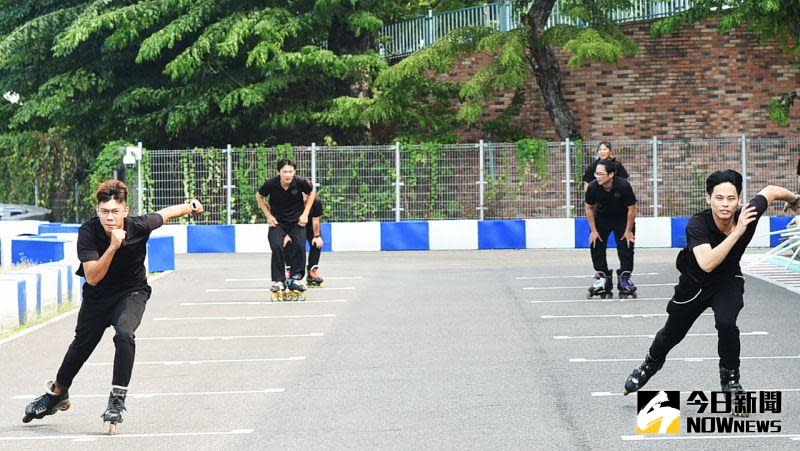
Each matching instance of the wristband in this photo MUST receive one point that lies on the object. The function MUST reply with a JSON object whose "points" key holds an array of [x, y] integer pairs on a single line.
{"points": [[193, 204], [317, 236]]}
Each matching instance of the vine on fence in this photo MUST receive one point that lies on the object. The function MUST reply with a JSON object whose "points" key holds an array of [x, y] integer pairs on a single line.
{"points": [[533, 153]]}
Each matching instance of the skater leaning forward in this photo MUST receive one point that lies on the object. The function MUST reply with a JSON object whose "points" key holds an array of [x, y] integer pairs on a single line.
{"points": [[112, 249], [611, 206], [710, 275], [287, 214]]}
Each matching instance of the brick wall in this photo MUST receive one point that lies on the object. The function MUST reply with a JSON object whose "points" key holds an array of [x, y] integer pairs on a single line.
{"points": [[691, 84]]}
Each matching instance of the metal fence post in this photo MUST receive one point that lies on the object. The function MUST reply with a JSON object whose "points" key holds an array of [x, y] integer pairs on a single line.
{"points": [[481, 182], [314, 165], [655, 177], [744, 168], [229, 184], [139, 188], [397, 181], [429, 28], [36, 190], [567, 179]]}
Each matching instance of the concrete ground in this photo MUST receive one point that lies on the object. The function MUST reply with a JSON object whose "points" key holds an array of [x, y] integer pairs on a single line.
{"points": [[411, 350]]}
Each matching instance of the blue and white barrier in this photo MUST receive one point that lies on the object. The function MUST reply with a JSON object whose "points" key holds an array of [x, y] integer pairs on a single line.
{"points": [[556, 233]]}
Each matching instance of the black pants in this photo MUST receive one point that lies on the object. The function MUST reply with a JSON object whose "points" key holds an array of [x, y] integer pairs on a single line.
{"points": [[296, 259], [605, 224], [314, 252], [688, 302], [124, 312]]}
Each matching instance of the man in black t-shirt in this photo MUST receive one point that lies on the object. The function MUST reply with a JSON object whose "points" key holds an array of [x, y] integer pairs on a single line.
{"points": [[287, 214], [112, 249], [710, 275], [611, 206]]}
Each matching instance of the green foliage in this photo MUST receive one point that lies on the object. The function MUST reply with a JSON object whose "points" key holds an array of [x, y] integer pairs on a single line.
{"points": [[533, 154]]}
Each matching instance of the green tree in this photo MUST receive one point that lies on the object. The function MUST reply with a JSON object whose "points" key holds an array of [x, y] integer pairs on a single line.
{"points": [[772, 20], [406, 94]]}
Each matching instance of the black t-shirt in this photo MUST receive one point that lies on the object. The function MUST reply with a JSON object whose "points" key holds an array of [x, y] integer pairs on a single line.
{"points": [[614, 202], [588, 175], [701, 229], [316, 208], [286, 204], [126, 270]]}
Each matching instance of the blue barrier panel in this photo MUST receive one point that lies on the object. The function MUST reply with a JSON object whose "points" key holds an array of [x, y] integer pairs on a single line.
{"points": [[404, 236], [210, 238], [679, 231], [501, 234], [777, 223], [58, 228], [582, 231], [22, 302], [36, 250], [160, 253], [327, 237]]}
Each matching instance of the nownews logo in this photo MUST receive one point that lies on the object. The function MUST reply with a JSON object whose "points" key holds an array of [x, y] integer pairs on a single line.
{"points": [[659, 412]]}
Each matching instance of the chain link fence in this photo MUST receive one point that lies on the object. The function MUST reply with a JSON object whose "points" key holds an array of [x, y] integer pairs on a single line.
{"points": [[460, 181]]}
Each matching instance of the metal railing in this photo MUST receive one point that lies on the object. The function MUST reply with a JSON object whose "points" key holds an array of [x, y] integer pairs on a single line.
{"points": [[463, 181], [401, 39]]}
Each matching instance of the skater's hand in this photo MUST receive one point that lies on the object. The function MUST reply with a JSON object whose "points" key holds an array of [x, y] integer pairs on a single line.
{"points": [[286, 240], [272, 221], [197, 207], [747, 216], [629, 237], [794, 207], [117, 237], [317, 242], [302, 221], [594, 236]]}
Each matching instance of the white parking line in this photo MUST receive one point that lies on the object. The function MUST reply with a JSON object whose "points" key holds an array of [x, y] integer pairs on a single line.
{"points": [[153, 395], [583, 337], [686, 359], [566, 301], [230, 337], [201, 362], [623, 315], [238, 318], [331, 301], [585, 287], [603, 394], [584, 276], [228, 290], [267, 280], [643, 438], [93, 437]]}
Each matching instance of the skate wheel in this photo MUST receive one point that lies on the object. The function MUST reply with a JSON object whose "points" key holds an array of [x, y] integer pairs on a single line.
{"points": [[302, 297], [65, 406], [609, 295], [634, 295], [112, 428], [27, 419], [588, 295], [625, 392]]}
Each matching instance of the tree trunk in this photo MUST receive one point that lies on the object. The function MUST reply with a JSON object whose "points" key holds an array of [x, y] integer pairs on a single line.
{"points": [[546, 69]]}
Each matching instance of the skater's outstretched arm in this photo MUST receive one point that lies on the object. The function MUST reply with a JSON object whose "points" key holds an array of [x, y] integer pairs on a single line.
{"points": [[773, 193], [317, 227], [176, 211]]}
